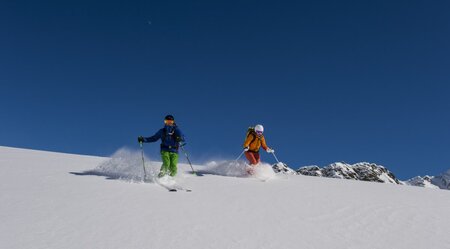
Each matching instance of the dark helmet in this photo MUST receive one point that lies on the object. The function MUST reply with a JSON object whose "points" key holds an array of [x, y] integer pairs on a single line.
{"points": [[169, 117]]}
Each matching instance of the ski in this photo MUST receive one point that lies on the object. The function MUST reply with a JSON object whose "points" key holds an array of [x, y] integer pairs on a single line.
{"points": [[173, 187], [178, 187], [170, 189]]}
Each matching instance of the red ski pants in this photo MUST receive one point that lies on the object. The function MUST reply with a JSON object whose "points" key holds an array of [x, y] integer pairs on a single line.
{"points": [[252, 157]]}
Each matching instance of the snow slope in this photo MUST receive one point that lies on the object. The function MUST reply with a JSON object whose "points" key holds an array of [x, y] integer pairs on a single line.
{"points": [[53, 200]]}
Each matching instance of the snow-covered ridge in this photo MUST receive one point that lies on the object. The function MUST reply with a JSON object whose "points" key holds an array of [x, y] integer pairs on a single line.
{"points": [[419, 181], [360, 171], [442, 181], [364, 171]]}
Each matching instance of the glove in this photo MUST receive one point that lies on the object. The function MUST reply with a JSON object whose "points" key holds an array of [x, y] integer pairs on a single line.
{"points": [[140, 139], [269, 150], [246, 149]]}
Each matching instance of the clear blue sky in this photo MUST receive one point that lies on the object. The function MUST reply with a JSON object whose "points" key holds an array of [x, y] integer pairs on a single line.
{"points": [[330, 80]]}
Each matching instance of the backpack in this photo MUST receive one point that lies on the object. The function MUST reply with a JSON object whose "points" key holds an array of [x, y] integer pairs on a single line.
{"points": [[251, 131]]}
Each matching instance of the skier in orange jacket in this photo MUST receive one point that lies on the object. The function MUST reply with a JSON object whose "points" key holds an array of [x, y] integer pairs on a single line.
{"points": [[253, 142]]}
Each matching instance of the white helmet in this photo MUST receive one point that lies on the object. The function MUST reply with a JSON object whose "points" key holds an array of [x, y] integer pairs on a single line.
{"points": [[259, 128]]}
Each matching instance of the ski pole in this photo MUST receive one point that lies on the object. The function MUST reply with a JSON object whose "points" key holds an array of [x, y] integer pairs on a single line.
{"points": [[143, 162], [187, 157], [242, 153], [273, 153], [281, 167]]}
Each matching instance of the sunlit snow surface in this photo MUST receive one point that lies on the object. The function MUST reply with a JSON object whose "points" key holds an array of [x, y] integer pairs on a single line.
{"points": [[52, 201]]}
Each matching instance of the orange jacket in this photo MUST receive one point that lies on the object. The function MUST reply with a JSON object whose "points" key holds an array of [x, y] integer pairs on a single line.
{"points": [[254, 142]]}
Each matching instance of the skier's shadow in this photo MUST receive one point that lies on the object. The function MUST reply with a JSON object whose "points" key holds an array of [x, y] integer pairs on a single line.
{"points": [[202, 173], [107, 176], [112, 176], [216, 173]]}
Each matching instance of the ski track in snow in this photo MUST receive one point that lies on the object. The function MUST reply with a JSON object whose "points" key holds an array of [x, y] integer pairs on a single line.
{"points": [[53, 200]]}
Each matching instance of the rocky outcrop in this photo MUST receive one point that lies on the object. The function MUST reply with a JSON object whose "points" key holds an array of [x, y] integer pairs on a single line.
{"points": [[442, 181], [422, 181], [283, 168], [360, 171]]}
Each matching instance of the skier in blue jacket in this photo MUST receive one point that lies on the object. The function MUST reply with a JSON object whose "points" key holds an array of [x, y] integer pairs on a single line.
{"points": [[171, 138]]}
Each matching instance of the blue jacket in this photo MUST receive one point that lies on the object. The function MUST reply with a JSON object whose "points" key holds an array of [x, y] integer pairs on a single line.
{"points": [[171, 137]]}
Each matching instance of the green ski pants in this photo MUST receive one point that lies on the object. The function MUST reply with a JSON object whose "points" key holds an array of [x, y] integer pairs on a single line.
{"points": [[170, 161]]}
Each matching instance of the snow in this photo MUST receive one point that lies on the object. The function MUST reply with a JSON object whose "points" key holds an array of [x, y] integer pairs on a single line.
{"points": [[385, 178], [54, 200], [442, 181], [421, 182]]}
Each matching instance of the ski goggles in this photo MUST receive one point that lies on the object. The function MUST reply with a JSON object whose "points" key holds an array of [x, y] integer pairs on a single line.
{"points": [[169, 122], [259, 132]]}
